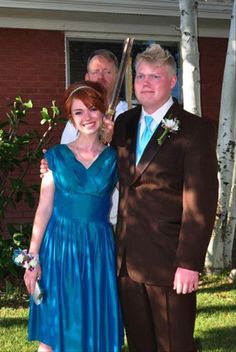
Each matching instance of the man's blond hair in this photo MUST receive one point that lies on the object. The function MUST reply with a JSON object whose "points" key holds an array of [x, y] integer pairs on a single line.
{"points": [[156, 55]]}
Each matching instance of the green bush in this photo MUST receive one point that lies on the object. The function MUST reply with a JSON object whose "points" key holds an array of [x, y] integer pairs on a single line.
{"points": [[19, 152]]}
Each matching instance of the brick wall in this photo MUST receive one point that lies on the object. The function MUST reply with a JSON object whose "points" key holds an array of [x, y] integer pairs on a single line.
{"points": [[32, 65]]}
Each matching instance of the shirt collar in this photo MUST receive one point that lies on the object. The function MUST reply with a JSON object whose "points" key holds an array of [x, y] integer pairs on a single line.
{"points": [[156, 115], [159, 113]]}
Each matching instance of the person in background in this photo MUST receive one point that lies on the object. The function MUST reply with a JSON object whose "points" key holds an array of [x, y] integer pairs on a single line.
{"points": [[72, 239], [102, 67], [168, 194]]}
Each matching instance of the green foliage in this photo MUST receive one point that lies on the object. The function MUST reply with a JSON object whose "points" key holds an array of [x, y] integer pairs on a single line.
{"points": [[14, 331], [20, 148], [19, 236]]}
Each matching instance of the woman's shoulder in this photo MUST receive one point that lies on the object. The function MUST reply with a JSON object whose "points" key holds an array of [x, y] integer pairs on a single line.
{"points": [[55, 150], [111, 150], [55, 154]]}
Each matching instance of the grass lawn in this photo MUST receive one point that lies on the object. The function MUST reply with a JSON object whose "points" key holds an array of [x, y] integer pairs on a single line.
{"points": [[13, 322], [215, 325], [216, 317]]}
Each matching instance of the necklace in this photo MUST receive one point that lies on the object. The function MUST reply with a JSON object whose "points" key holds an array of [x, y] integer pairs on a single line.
{"points": [[87, 158]]}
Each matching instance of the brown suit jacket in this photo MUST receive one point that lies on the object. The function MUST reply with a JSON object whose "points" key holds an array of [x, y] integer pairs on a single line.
{"points": [[168, 201]]}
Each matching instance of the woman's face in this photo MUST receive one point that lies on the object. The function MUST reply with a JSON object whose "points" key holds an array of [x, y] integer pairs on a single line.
{"points": [[86, 120]]}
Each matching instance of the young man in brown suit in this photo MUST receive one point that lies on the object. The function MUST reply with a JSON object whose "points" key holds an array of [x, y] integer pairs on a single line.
{"points": [[168, 196]]}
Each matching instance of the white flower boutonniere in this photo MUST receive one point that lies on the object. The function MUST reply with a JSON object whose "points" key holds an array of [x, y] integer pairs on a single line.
{"points": [[170, 125]]}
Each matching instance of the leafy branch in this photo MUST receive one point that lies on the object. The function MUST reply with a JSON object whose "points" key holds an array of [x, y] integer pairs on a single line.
{"points": [[19, 151]]}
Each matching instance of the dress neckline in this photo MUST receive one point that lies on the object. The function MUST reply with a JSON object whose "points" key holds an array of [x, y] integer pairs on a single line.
{"points": [[80, 162]]}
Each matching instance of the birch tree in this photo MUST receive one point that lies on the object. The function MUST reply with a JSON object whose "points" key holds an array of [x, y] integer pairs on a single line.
{"points": [[219, 253], [190, 56]]}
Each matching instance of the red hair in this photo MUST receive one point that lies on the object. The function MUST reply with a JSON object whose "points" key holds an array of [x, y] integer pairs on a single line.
{"points": [[90, 93]]}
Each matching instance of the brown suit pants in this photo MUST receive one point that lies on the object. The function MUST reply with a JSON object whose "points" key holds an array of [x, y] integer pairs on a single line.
{"points": [[156, 318]]}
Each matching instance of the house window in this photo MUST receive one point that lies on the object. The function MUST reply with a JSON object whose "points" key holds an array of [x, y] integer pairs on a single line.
{"points": [[79, 50]]}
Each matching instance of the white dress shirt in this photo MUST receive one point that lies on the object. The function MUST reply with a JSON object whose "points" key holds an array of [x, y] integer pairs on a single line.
{"points": [[157, 116]]}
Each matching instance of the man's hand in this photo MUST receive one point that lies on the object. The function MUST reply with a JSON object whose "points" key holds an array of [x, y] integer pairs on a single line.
{"points": [[185, 281], [43, 166], [107, 131]]}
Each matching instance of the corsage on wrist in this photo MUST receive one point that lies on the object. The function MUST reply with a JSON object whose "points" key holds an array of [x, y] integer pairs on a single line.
{"points": [[25, 260]]}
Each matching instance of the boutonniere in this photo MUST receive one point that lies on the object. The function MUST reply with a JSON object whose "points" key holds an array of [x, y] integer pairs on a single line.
{"points": [[170, 125]]}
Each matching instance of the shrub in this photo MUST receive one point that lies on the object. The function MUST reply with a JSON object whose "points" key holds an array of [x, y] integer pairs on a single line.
{"points": [[20, 149]]}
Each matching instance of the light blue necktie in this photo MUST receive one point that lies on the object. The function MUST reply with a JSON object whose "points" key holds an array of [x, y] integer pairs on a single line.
{"points": [[146, 135]]}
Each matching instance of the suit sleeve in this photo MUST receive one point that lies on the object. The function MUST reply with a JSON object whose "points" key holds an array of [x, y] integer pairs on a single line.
{"points": [[117, 128], [200, 193]]}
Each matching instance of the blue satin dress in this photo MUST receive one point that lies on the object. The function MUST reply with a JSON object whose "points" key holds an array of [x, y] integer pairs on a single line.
{"points": [[80, 311]]}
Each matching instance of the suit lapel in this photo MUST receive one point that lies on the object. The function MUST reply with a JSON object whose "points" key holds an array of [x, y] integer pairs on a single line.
{"points": [[153, 146], [149, 152], [132, 130]]}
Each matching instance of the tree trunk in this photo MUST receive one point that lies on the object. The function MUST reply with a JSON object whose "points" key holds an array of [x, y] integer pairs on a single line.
{"points": [[190, 56], [219, 255]]}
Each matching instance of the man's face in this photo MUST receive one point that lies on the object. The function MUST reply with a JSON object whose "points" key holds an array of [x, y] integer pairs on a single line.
{"points": [[103, 71], [153, 85]]}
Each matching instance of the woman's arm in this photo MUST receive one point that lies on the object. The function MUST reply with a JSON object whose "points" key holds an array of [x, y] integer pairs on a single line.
{"points": [[41, 219]]}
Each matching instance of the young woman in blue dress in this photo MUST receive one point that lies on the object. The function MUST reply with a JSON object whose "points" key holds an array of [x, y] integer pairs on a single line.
{"points": [[72, 239]]}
